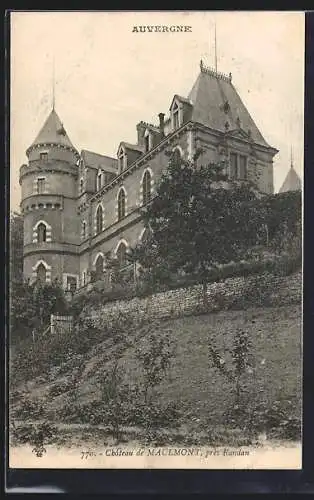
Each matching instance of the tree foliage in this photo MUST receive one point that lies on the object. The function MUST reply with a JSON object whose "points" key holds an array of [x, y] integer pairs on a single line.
{"points": [[31, 306], [198, 220], [16, 247]]}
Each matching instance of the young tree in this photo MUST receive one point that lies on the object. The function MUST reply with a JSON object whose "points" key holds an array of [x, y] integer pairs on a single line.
{"points": [[237, 370], [198, 219], [154, 357]]}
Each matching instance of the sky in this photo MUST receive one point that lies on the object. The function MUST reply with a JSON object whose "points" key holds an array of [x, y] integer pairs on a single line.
{"points": [[108, 78]]}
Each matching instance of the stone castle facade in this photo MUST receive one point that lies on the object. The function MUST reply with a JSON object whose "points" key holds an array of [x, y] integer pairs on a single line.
{"points": [[81, 208]]}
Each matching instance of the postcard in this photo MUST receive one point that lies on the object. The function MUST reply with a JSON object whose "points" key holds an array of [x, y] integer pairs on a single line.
{"points": [[156, 170]]}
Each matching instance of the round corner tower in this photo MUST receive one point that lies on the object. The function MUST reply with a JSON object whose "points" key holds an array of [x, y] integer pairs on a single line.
{"points": [[48, 204]]}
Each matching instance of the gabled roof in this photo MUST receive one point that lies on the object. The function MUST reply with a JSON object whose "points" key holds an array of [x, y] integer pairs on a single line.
{"points": [[53, 132], [215, 101], [133, 147], [181, 99], [95, 160], [292, 182]]}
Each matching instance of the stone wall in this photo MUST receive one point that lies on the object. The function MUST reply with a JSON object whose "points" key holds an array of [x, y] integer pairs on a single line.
{"points": [[187, 301]]}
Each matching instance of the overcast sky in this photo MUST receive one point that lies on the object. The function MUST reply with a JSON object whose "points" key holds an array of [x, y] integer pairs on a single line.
{"points": [[109, 78]]}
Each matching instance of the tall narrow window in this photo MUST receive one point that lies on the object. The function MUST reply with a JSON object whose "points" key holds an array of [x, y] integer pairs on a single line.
{"points": [[81, 185], [99, 267], [99, 219], [43, 157], [121, 204], [147, 183], [40, 185], [71, 283], [233, 165], [41, 274], [146, 138], [175, 116], [121, 160], [121, 254], [83, 278], [83, 230], [243, 167], [41, 233], [99, 181]]}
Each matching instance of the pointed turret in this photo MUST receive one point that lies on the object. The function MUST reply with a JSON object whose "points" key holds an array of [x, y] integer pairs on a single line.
{"points": [[53, 132], [292, 181]]}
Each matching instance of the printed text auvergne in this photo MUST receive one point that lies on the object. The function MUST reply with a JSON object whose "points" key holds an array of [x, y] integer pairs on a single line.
{"points": [[162, 29]]}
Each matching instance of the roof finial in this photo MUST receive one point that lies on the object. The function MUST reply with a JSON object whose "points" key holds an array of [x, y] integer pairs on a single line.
{"points": [[215, 49], [53, 84], [201, 64], [291, 157]]}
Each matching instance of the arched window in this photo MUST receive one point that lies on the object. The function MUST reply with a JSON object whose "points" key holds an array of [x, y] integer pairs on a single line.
{"points": [[99, 266], [121, 204], [81, 185], [177, 154], [99, 219], [121, 254], [147, 187], [146, 235], [41, 233], [41, 274]]}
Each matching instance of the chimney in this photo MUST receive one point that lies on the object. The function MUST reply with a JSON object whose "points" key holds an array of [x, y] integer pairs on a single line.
{"points": [[162, 123], [140, 127]]}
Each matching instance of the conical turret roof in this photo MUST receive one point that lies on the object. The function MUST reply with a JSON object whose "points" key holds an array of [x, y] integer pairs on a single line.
{"points": [[53, 132], [292, 182]]}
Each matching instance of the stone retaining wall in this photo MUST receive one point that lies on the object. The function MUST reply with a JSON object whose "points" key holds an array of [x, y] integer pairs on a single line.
{"points": [[187, 301]]}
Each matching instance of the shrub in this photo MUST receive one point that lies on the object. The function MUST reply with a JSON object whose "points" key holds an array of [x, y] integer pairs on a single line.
{"points": [[36, 435], [278, 419]]}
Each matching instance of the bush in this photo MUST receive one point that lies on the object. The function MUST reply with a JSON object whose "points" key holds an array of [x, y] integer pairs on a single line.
{"points": [[36, 435], [278, 419]]}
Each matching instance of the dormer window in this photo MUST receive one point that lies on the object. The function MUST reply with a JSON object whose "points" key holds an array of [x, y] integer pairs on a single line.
{"points": [[175, 114]]}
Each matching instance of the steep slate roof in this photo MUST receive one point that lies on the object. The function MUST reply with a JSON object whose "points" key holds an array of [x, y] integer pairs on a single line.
{"points": [[209, 94], [133, 147], [292, 182], [95, 160], [53, 132]]}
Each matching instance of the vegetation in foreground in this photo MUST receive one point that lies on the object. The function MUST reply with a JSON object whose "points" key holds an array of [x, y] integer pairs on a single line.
{"points": [[159, 383]]}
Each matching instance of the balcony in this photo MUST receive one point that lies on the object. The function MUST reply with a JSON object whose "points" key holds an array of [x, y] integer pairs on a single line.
{"points": [[49, 247]]}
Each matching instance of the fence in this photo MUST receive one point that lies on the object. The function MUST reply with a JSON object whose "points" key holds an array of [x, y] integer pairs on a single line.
{"points": [[60, 324]]}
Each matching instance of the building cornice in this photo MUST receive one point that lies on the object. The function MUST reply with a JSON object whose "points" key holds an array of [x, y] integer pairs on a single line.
{"points": [[52, 144]]}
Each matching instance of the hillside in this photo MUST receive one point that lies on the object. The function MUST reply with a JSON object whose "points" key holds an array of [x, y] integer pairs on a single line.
{"points": [[69, 391]]}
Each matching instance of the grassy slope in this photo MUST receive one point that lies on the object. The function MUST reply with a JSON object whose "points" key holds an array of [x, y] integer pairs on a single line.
{"points": [[276, 337]]}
